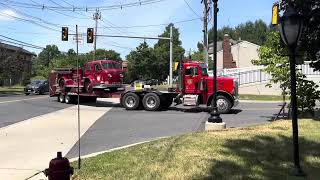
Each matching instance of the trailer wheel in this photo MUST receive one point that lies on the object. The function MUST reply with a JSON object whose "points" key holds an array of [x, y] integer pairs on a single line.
{"points": [[130, 101], [151, 102], [223, 103], [69, 99], [62, 98]]}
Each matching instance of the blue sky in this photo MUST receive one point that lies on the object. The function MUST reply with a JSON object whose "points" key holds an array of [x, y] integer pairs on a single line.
{"points": [[232, 13]]}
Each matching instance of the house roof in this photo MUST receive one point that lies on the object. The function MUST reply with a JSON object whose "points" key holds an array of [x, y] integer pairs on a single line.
{"points": [[16, 48]]}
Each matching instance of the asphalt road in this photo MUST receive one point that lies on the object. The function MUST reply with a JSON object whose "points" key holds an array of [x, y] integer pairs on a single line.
{"points": [[16, 108], [119, 127]]}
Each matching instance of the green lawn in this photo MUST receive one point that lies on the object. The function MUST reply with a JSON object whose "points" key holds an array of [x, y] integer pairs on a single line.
{"points": [[261, 97], [260, 152], [11, 90]]}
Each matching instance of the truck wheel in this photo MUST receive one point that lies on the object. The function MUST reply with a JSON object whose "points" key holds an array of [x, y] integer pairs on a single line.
{"points": [[223, 103], [151, 102], [130, 101], [69, 99], [62, 98], [88, 86]]}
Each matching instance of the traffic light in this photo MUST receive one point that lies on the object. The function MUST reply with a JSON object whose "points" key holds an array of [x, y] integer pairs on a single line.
{"points": [[65, 34], [90, 35]]}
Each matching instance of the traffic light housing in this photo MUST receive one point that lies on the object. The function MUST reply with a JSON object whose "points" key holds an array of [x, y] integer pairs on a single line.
{"points": [[65, 34], [90, 36]]}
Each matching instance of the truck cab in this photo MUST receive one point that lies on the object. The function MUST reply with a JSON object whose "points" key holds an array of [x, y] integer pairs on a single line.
{"points": [[197, 87]]}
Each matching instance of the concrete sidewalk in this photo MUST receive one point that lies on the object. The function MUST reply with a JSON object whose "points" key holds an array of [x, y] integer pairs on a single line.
{"points": [[27, 147]]}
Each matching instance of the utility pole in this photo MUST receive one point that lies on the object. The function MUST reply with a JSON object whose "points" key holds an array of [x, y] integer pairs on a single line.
{"points": [[96, 17], [205, 30], [171, 57]]}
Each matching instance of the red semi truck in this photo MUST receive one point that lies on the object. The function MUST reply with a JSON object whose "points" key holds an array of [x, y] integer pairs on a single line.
{"points": [[104, 79], [195, 88]]}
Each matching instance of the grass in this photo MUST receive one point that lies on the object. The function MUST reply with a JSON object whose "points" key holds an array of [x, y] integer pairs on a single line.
{"points": [[259, 152], [261, 97], [11, 90]]}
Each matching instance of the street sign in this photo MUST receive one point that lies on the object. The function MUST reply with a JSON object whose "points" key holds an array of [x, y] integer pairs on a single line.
{"points": [[79, 39]]}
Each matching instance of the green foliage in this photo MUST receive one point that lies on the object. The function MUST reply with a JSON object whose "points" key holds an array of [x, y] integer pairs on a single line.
{"points": [[307, 94], [47, 54], [38, 78], [271, 56], [310, 39], [162, 50], [143, 63], [254, 32]]}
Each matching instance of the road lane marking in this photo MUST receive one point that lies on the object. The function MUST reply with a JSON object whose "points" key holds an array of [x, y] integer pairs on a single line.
{"points": [[18, 100], [32, 143]]}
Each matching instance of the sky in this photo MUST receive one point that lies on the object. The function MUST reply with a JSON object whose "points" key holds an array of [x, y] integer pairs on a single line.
{"points": [[13, 22]]}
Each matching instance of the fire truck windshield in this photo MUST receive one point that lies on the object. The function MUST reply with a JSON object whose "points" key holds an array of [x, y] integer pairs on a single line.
{"points": [[111, 66]]}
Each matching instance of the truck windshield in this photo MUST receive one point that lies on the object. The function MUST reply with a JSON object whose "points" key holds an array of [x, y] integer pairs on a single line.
{"points": [[204, 69], [111, 66]]}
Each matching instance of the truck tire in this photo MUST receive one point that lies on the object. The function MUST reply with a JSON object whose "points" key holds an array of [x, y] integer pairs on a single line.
{"points": [[88, 86], [69, 99], [151, 102], [62, 98], [130, 101], [223, 103]]}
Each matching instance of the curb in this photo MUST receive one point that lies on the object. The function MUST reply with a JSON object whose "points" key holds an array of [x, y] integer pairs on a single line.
{"points": [[257, 101]]}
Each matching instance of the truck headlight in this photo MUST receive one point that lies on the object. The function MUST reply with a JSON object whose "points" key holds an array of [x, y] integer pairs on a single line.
{"points": [[109, 76], [121, 75]]}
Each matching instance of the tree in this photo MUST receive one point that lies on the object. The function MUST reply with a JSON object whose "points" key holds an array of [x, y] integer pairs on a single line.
{"points": [[143, 64], [162, 50], [47, 54], [254, 32], [107, 54], [271, 55], [310, 39]]}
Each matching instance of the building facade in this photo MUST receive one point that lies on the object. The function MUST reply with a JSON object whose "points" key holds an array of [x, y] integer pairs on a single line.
{"points": [[15, 64]]}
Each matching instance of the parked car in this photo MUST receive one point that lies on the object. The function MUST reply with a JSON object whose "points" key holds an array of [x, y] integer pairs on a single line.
{"points": [[37, 87]]}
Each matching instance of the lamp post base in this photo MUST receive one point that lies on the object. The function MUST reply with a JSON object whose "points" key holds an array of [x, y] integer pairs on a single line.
{"points": [[215, 116], [297, 172]]}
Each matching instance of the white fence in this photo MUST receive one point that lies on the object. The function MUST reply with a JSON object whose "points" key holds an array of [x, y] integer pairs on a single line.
{"points": [[255, 74]]}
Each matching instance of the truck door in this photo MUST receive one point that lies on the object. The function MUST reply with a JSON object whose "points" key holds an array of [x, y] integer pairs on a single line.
{"points": [[191, 79]]}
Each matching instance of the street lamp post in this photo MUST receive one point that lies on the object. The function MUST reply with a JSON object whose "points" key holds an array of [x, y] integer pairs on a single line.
{"points": [[214, 114], [291, 24]]}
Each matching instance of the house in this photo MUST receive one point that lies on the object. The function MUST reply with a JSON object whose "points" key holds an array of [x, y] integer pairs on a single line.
{"points": [[234, 54], [17, 58]]}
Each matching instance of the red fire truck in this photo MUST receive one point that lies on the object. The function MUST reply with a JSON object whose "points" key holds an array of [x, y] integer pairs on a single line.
{"points": [[195, 87], [99, 78], [104, 79]]}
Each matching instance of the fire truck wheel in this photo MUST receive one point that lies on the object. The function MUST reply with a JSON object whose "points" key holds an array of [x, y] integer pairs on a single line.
{"points": [[151, 102], [62, 98], [88, 86], [223, 103], [130, 101]]}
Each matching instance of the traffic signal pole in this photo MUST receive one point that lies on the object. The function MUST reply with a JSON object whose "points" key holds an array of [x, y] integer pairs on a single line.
{"points": [[78, 83]]}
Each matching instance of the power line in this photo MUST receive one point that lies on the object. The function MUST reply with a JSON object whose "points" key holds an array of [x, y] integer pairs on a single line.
{"points": [[63, 8], [20, 41], [21, 44], [28, 20], [152, 25], [194, 12]]}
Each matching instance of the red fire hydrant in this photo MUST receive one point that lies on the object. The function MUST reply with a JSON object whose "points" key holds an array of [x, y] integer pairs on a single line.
{"points": [[59, 168]]}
